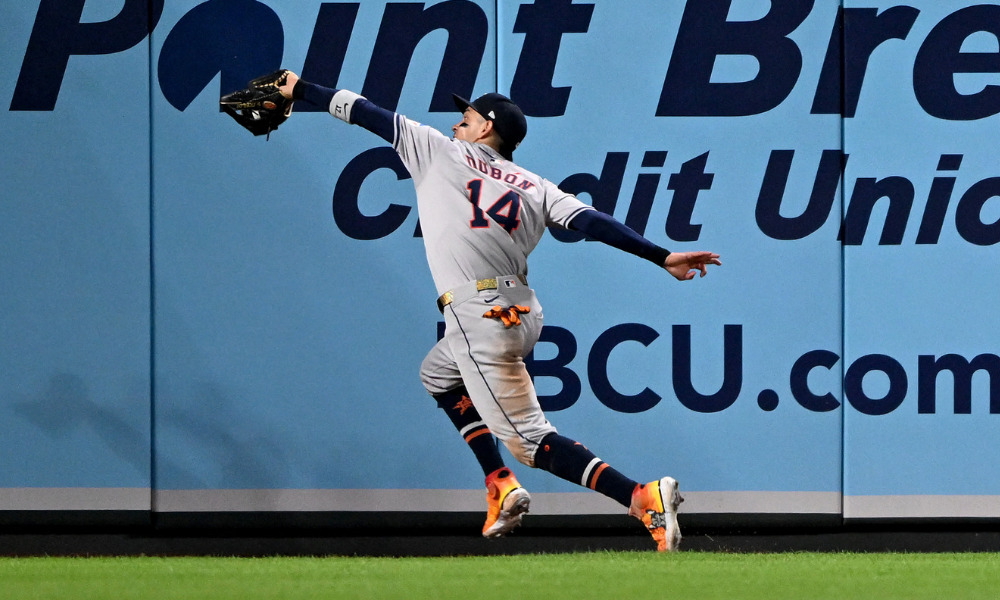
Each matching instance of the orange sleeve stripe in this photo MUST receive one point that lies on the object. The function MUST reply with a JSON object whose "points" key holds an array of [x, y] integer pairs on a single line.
{"points": [[597, 473], [473, 435]]}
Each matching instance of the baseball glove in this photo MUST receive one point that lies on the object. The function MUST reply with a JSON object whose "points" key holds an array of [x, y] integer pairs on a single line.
{"points": [[260, 107]]}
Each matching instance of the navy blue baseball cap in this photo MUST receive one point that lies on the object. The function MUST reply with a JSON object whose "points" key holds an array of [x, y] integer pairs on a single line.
{"points": [[508, 120]]}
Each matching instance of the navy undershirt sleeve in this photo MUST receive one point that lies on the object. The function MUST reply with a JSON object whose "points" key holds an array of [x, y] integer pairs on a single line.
{"points": [[365, 113], [606, 229]]}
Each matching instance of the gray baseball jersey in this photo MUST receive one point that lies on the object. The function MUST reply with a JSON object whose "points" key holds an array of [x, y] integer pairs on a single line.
{"points": [[480, 215]]}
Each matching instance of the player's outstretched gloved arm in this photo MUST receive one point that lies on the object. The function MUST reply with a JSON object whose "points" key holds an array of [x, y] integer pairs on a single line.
{"points": [[343, 104]]}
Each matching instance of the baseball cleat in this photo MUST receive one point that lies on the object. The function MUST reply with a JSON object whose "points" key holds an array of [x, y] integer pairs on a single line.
{"points": [[655, 504], [508, 502]]}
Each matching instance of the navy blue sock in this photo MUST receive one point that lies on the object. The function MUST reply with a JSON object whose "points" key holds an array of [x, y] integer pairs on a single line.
{"points": [[458, 406], [573, 462]]}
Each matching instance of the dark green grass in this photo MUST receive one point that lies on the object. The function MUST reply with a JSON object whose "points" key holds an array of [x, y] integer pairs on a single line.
{"points": [[547, 577]]}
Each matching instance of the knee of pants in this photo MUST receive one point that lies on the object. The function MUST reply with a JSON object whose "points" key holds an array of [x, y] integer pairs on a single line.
{"points": [[430, 384], [438, 371], [522, 450], [437, 382]]}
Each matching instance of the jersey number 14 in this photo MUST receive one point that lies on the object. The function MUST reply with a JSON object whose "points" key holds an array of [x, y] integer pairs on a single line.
{"points": [[504, 211]]}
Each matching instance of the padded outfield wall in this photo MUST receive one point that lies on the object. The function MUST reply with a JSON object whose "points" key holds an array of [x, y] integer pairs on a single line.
{"points": [[195, 319]]}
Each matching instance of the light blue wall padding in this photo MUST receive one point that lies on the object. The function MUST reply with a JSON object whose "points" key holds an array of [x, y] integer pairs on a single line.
{"points": [[188, 307]]}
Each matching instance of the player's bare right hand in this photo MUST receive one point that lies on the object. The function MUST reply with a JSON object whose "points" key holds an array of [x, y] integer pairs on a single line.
{"points": [[683, 265], [290, 80]]}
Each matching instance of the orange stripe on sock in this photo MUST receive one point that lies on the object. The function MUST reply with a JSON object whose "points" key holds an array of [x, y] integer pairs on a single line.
{"points": [[597, 473], [476, 434]]}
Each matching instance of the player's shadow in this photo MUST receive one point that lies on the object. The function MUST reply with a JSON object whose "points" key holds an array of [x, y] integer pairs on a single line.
{"points": [[198, 421], [65, 406]]}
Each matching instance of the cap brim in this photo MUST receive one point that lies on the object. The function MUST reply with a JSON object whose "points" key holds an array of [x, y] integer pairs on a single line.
{"points": [[461, 103]]}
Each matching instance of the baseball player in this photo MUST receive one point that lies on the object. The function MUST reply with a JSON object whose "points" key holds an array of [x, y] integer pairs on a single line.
{"points": [[481, 215]]}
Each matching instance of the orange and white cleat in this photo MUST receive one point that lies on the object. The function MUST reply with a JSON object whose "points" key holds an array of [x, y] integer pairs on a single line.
{"points": [[655, 504], [508, 502]]}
